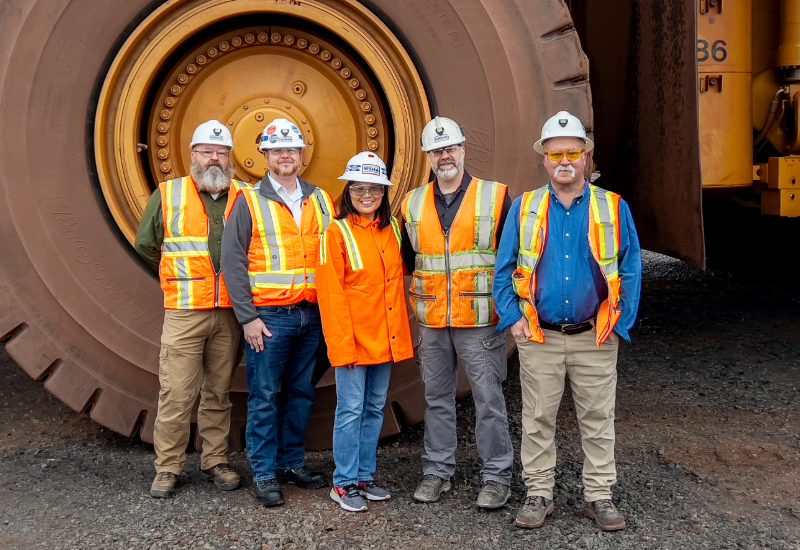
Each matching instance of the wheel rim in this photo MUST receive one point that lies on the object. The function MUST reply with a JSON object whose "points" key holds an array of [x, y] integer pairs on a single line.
{"points": [[336, 72]]}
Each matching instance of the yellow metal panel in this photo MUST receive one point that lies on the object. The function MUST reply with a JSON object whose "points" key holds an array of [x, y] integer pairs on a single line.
{"points": [[726, 134], [724, 38], [784, 173], [781, 202], [725, 64]]}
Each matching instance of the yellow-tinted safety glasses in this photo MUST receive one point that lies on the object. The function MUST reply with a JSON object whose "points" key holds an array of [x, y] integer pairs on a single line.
{"points": [[558, 156]]}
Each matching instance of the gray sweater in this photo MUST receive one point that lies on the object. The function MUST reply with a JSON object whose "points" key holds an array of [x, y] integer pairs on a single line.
{"points": [[236, 247]]}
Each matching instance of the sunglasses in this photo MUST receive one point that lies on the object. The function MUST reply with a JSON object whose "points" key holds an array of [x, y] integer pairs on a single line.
{"points": [[558, 156], [372, 190]]}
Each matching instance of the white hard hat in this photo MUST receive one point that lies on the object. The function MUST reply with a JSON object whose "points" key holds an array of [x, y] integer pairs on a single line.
{"points": [[563, 124], [281, 133], [441, 132], [366, 167], [212, 132]]}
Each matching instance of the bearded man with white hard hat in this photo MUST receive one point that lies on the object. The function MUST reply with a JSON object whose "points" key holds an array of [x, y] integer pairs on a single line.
{"points": [[567, 282], [269, 255], [450, 236], [180, 235]]}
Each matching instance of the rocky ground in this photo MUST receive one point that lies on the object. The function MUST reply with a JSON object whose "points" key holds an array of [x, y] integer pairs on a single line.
{"points": [[708, 444]]}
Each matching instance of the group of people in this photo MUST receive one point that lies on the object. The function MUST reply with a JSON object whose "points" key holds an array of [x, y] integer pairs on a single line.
{"points": [[278, 262]]}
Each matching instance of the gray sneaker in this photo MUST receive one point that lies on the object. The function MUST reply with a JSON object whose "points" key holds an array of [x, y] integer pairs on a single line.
{"points": [[370, 491], [349, 498], [606, 515], [493, 495], [431, 488], [534, 512]]}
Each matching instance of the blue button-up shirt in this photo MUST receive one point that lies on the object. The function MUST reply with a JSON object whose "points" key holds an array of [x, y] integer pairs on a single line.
{"points": [[569, 283]]}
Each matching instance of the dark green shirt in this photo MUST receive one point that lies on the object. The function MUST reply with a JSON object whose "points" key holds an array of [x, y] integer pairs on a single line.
{"points": [[150, 235]]}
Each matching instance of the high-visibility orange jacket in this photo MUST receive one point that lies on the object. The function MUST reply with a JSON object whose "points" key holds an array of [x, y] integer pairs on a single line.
{"points": [[604, 240], [453, 275], [361, 293], [282, 255], [187, 274]]}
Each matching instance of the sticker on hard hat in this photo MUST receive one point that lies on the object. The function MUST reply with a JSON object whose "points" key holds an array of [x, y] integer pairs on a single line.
{"points": [[371, 170], [285, 131], [271, 130], [353, 167], [285, 139], [273, 138], [443, 137], [216, 138], [563, 122], [296, 131]]}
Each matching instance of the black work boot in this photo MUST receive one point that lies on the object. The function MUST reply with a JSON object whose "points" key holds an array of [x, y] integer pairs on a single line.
{"points": [[302, 477], [268, 492]]}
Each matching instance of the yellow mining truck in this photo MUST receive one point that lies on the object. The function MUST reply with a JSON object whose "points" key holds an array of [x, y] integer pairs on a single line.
{"points": [[687, 100]]}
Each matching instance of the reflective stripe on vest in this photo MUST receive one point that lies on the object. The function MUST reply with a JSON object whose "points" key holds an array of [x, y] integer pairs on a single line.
{"points": [[350, 243], [453, 273], [267, 221], [604, 241]]}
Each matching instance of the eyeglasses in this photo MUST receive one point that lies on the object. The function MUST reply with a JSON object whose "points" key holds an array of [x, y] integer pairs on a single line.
{"points": [[558, 156], [372, 190], [208, 154], [286, 151], [449, 150]]}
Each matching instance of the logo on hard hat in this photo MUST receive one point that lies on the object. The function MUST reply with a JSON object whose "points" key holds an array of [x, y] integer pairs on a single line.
{"points": [[285, 131], [440, 130], [371, 170], [563, 122], [444, 137], [271, 130], [296, 131], [217, 131], [273, 138]]}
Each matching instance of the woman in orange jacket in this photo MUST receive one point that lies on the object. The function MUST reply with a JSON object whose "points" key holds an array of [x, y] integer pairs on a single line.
{"points": [[362, 301]]}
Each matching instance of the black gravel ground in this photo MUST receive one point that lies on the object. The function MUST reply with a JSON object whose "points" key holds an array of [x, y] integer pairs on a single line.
{"points": [[708, 447]]}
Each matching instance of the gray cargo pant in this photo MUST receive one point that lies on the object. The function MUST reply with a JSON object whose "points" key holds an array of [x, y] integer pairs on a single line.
{"points": [[483, 353]]}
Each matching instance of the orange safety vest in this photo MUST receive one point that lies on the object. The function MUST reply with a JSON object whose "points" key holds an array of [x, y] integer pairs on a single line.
{"points": [[604, 240], [283, 256], [453, 275], [187, 274]]}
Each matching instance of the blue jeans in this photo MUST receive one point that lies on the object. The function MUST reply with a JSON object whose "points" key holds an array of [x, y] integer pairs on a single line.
{"points": [[276, 431], [360, 395]]}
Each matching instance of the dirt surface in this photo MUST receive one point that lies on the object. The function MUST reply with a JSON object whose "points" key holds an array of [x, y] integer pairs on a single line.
{"points": [[708, 450]]}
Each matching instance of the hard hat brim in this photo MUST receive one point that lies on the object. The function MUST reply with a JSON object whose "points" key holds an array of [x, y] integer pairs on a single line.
{"points": [[439, 146], [382, 181], [192, 144], [539, 145], [262, 147]]}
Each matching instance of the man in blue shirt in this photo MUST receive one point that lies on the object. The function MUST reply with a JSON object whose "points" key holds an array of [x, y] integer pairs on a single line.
{"points": [[567, 282]]}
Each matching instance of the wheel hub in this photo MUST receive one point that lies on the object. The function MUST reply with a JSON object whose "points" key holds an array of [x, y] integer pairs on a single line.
{"points": [[335, 71]]}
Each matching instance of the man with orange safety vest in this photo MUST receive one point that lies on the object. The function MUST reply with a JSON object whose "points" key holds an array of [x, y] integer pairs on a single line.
{"points": [[269, 254], [450, 236], [567, 282], [180, 235]]}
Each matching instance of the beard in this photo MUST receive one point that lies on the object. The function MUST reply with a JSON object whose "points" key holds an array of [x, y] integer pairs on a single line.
{"points": [[560, 168], [283, 170], [212, 178], [448, 172]]}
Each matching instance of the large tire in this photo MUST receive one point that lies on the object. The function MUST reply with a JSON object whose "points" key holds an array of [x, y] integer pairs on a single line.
{"points": [[77, 307]]}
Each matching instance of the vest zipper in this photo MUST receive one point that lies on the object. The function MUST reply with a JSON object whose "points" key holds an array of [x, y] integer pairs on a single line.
{"points": [[449, 277]]}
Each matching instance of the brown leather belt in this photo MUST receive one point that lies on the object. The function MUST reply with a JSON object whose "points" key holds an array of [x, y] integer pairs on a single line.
{"points": [[577, 328]]}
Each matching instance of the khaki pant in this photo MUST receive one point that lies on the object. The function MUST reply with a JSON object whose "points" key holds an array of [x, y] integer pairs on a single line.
{"points": [[199, 349], [592, 374]]}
